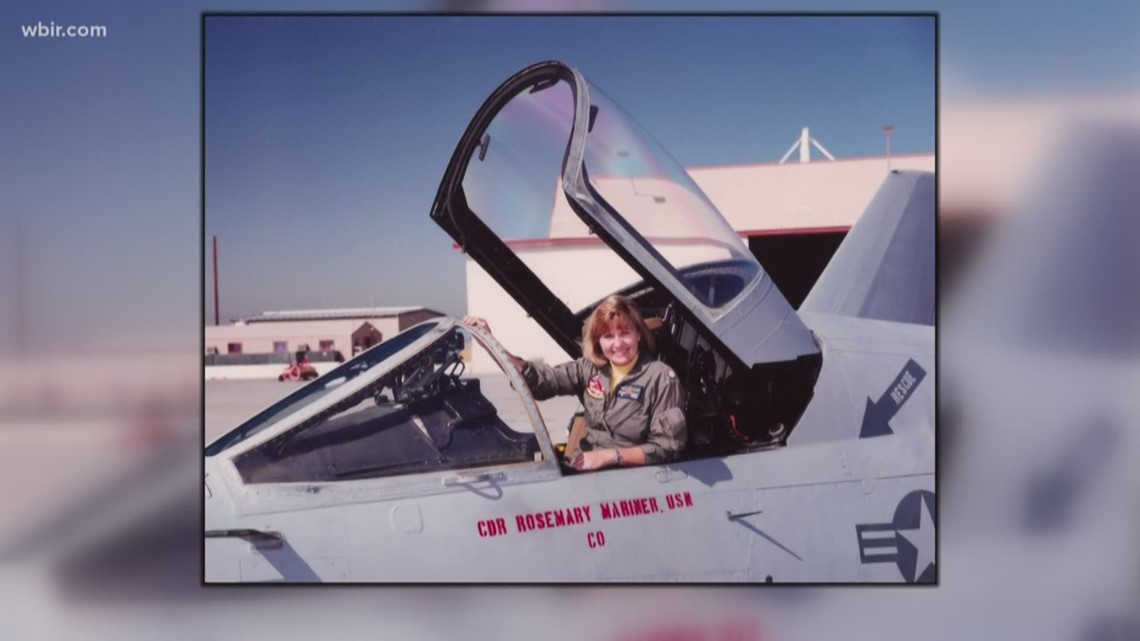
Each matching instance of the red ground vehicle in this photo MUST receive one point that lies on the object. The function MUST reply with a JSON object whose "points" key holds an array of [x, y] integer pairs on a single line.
{"points": [[299, 370]]}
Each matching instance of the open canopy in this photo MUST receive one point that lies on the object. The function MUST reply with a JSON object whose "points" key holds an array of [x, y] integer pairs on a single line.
{"points": [[549, 156]]}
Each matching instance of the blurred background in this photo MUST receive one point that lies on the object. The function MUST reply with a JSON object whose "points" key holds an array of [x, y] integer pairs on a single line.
{"points": [[101, 382]]}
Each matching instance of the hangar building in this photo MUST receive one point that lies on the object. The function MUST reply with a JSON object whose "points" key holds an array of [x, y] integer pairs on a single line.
{"points": [[346, 330]]}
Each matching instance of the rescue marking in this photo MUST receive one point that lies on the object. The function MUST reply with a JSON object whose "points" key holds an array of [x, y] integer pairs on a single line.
{"points": [[898, 394], [878, 414]]}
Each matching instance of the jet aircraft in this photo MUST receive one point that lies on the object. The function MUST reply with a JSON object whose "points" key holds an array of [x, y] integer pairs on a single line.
{"points": [[811, 454]]}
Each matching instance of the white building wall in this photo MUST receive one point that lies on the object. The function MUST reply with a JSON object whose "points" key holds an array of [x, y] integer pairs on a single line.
{"points": [[388, 327], [259, 337], [581, 273], [256, 338], [799, 195], [404, 321], [755, 197]]}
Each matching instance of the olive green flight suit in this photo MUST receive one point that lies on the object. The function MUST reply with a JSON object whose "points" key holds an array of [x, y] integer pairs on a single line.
{"points": [[644, 410]]}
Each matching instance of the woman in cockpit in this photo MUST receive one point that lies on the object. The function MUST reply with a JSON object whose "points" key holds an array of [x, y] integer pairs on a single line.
{"points": [[632, 402]]}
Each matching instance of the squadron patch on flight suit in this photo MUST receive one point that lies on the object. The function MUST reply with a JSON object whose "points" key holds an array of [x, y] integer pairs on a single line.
{"points": [[632, 392], [596, 388]]}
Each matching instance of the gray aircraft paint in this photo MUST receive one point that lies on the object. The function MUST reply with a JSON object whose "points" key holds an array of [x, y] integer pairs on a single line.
{"points": [[884, 269], [786, 513]]}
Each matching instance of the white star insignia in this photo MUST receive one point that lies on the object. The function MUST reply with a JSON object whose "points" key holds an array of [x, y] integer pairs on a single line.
{"points": [[922, 538]]}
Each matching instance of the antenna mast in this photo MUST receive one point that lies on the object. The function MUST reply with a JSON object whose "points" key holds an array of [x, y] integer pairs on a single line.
{"points": [[805, 144]]}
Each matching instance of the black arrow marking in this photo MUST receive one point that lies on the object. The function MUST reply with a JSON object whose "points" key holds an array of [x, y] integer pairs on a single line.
{"points": [[877, 416]]}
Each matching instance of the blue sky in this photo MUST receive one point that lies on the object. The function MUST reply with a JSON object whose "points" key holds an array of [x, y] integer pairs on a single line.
{"points": [[326, 137]]}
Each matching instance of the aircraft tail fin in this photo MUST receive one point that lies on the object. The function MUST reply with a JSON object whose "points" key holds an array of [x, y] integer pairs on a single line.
{"points": [[885, 268]]}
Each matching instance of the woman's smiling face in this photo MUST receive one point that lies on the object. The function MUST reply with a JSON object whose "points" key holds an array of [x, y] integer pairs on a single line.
{"points": [[619, 343]]}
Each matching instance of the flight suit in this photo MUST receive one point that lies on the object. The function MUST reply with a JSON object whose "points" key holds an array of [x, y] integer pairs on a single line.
{"points": [[644, 410]]}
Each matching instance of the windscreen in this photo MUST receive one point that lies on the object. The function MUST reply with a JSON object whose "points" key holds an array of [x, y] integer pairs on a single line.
{"points": [[652, 194], [319, 388], [512, 180], [427, 414], [513, 184]]}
